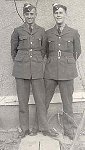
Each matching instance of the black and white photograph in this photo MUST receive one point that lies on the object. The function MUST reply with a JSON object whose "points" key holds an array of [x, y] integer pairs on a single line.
{"points": [[42, 75]]}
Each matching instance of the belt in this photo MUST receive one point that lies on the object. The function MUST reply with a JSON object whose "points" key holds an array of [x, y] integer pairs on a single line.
{"points": [[28, 51], [60, 53]]}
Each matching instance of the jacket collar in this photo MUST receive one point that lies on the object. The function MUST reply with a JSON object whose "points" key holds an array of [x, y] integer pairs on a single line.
{"points": [[35, 28], [65, 30]]}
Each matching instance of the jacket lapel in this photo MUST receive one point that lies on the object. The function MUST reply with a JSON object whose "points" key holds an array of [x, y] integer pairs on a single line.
{"points": [[54, 30], [35, 28], [25, 28], [65, 30]]}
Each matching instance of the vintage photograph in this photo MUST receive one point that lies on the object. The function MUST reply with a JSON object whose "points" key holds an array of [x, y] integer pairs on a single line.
{"points": [[42, 75]]}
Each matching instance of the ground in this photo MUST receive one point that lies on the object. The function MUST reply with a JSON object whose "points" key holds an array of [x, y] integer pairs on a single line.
{"points": [[9, 141], [9, 138]]}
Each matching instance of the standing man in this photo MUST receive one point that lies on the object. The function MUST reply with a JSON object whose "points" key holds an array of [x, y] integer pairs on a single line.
{"points": [[28, 50], [63, 49]]}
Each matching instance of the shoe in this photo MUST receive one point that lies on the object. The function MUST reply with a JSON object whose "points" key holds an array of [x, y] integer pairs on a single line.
{"points": [[64, 139], [70, 136], [50, 133], [23, 134], [33, 132]]}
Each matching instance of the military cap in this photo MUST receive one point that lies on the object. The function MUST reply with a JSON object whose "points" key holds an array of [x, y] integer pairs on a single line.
{"points": [[28, 7], [57, 6]]}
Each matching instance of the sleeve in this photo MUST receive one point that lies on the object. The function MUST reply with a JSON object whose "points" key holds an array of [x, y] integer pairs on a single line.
{"points": [[14, 43], [77, 46], [43, 51]]}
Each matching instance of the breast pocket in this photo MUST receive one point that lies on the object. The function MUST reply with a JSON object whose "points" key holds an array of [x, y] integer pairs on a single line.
{"points": [[69, 44], [23, 42], [38, 42], [23, 38], [51, 43]]}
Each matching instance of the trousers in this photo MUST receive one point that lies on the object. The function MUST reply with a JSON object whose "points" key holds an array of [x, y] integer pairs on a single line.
{"points": [[23, 93], [66, 88]]}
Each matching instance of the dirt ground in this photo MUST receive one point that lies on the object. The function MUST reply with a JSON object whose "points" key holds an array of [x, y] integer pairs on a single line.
{"points": [[9, 138], [9, 141]]}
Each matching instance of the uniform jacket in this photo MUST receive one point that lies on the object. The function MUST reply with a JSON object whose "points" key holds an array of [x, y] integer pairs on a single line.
{"points": [[62, 52], [27, 51]]}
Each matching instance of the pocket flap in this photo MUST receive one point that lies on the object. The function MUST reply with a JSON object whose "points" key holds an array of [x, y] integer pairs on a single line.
{"points": [[23, 37], [71, 61], [51, 40], [68, 40]]}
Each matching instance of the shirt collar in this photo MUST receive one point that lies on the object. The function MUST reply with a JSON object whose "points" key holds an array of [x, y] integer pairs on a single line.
{"points": [[32, 25], [61, 27]]}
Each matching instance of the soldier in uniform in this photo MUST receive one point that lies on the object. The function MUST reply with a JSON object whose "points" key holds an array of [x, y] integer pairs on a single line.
{"points": [[27, 51], [63, 49]]}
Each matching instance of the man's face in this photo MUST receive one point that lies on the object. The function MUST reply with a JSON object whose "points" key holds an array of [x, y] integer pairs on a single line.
{"points": [[60, 16], [30, 16]]}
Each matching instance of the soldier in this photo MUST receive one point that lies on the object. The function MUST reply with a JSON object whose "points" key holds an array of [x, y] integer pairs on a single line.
{"points": [[63, 49], [27, 50]]}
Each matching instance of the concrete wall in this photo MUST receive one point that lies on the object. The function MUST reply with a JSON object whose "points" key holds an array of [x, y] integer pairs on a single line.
{"points": [[9, 20], [9, 115]]}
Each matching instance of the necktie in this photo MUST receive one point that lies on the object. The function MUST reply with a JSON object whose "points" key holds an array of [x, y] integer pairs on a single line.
{"points": [[59, 31], [30, 28]]}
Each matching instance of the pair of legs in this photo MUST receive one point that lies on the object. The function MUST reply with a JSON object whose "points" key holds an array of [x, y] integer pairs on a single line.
{"points": [[23, 92], [66, 88]]}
